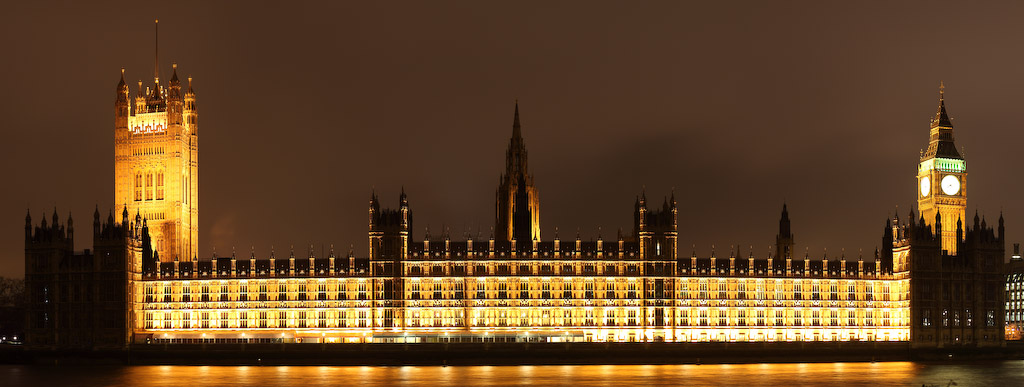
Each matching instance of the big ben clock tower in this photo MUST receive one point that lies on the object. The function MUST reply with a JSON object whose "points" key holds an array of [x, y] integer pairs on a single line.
{"points": [[942, 178]]}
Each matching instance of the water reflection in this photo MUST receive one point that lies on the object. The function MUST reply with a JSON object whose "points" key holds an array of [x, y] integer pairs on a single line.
{"points": [[845, 374]]}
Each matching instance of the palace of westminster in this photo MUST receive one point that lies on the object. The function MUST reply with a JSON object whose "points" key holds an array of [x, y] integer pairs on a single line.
{"points": [[939, 279]]}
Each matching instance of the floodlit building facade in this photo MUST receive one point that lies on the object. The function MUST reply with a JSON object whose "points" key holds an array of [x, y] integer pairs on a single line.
{"points": [[635, 287], [921, 287]]}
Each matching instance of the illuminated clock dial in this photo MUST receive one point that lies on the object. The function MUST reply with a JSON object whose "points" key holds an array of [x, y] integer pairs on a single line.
{"points": [[926, 186], [950, 185]]}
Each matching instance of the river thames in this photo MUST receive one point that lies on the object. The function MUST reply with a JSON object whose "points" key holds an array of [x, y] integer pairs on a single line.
{"points": [[1005, 373]]}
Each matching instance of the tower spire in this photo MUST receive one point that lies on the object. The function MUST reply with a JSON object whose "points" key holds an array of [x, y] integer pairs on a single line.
{"points": [[517, 133], [156, 51], [941, 118]]}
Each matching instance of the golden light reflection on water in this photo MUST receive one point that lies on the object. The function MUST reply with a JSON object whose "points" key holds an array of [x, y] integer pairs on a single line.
{"points": [[812, 374]]}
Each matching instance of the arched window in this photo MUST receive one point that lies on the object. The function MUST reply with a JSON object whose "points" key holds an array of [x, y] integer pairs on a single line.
{"points": [[160, 186], [138, 186], [149, 185]]}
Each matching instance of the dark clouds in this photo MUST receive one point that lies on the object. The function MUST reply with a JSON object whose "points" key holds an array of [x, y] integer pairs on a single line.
{"points": [[306, 107]]}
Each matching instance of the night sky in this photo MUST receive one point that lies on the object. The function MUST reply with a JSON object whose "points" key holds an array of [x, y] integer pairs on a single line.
{"points": [[306, 107]]}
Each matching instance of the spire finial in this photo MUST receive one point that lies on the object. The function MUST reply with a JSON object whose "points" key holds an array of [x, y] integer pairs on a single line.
{"points": [[156, 50], [941, 117]]}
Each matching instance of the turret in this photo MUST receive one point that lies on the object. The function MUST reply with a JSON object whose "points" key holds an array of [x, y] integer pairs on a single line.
{"points": [[374, 210], [140, 100], [175, 102], [28, 225], [1002, 228], [190, 116], [96, 221], [121, 105]]}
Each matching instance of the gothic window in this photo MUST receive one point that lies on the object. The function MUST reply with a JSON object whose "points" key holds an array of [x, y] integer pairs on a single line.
{"points": [[160, 186], [138, 186], [149, 185]]}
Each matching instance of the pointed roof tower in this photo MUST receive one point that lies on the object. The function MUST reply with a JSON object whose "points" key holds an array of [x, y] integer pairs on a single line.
{"points": [[515, 156], [940, 142], [516, 129]]}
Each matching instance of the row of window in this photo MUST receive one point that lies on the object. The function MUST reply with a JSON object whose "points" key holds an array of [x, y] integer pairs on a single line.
{"points": [[957, 318], [149, 185], [528, 289], [510, 317]]}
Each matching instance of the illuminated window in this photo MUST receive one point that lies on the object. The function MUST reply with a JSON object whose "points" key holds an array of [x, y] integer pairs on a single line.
{"points": [[414, 288], [160, 186], [139, 186]]}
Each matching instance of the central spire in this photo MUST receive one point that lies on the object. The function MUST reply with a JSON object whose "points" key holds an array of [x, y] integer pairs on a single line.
{"points": [[518, 206], [517, 132], [515, 157]]}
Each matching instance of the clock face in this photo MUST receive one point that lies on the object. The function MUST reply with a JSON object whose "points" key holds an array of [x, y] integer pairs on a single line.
{"points": [[950, 185], [926, 186]]}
